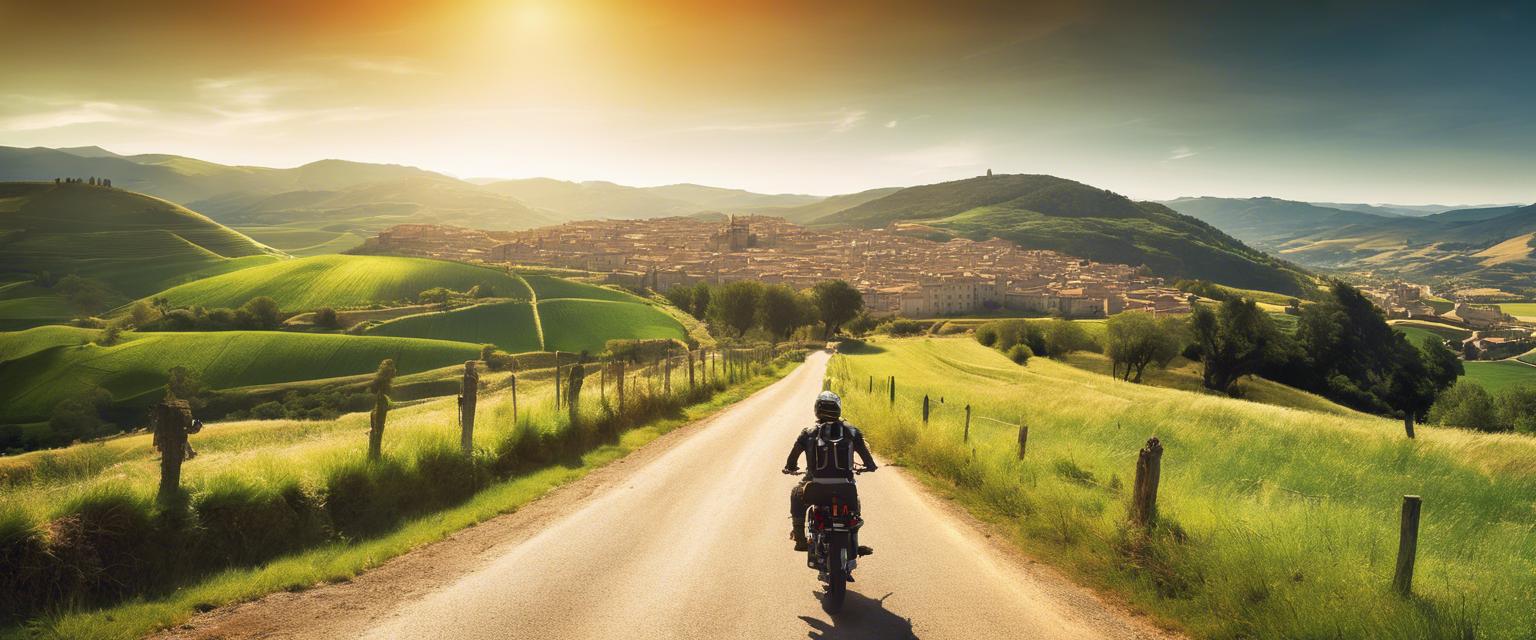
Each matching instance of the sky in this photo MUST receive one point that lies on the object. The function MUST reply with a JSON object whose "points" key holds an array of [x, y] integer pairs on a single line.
{"points": [[1403, 102]]}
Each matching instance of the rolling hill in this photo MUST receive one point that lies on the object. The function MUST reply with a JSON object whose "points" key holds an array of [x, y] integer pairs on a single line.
{"points": [[132, 243], [508, 325], [43, 366], [1046, 212], [342, 281], [1483, 247]]}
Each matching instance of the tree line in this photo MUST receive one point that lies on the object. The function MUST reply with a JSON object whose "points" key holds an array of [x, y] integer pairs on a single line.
{"points": [[752, 310]]}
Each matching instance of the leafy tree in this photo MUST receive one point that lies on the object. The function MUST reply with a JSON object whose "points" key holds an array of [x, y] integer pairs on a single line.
{"points": [[435, 295], [734, 306], [681, 296], [1351, 351], [1466, 404], [141, 313], [1421, 374], [183, 384], [1516, 407], [1134, 340], [1234, 341], [263, 313], [837, 302], [111, 335], [83, 294], [858, 326], [701, 296], [79, 418], [782, 310], [1065, 336], [327, 318], [1020, 354]]}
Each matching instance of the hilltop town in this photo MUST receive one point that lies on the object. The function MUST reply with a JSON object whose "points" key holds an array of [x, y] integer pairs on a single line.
{"points": [[904, 270]]}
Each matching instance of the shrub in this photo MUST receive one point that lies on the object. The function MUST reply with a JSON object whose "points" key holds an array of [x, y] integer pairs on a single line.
{"points": [[1065, 336], [1020, 354], [244, 522], [326, 317], [987, 334], [901, 327], [1466, 404], [1516, 408]]}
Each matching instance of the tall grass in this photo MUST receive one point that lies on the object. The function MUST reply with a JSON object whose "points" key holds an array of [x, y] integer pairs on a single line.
{"points": [[79, 528], [1276, 522]]}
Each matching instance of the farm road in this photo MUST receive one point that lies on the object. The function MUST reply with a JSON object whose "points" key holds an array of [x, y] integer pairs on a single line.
{"points": [[687, 538]]}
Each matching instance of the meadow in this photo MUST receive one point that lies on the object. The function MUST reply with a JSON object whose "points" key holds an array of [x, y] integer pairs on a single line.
{"points": [[276, 505], [586, 325], [43, 366], [1523, 310], [342, 281], [1274, 522], [551, 288], [1417, 330], [508, 325], [1498, 375]]}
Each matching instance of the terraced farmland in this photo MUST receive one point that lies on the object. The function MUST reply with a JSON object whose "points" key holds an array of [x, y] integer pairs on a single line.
{"points": [[508, 325], [551, 288], [342, 281], [43, 366]]}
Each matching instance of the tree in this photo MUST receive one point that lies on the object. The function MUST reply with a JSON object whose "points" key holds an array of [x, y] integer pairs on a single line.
{"points": [[1134, 340], [681, 296], [700, 301], [782, 310], [837, 302], [326, 317], [1351, 352], [263, 313], [111, 335], [435, 295], [83, 294], [141, 313], [734, 306], [183, 384], [1516, 408], [1235, 340], [1065, 336], [1422, 373], [1466, 404], [76, 418]]}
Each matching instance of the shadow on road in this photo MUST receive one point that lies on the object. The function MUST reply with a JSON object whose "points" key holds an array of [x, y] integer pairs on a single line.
{"points": [[862, 617]]}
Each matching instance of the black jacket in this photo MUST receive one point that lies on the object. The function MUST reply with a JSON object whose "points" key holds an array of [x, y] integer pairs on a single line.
{"points": [[829, 449]]}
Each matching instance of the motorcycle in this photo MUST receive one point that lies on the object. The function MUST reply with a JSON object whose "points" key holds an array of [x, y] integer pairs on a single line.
{"points": [[830, 533]]}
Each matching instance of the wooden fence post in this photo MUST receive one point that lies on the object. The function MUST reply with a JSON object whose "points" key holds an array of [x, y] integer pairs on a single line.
{"points": [[967, 436], [1023, 439], [1408, 423], [1148, 471], [514, 399], [691, 384], [467, 399], [1407, 545], [620, 388], [871, 383], [893, 389], [925, 408], [557, 379], [667, 385], [173, 421]]}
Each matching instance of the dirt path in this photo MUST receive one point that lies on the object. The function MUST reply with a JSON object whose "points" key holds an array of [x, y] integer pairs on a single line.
{"points": [[687, 539]]}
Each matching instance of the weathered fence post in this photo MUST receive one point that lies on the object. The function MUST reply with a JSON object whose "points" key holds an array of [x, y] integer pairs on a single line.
{"points": [[967, 436], [666, 386], [467, 398], [1407, 545], [602, 380], [893, 389], [513, 378], [1148, 471], [871, 383], [557, 379], [1023, 439], [383, 379], [826, 384], [1408, 423], [173, 421], [925, 408], [691, 384], [619, 378], [578, 374]]}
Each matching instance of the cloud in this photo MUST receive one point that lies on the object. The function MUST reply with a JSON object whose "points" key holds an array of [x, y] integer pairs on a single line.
{"points": [[849, 120], [390, 66], [57, 114], [890, 124], [1180, 153]]}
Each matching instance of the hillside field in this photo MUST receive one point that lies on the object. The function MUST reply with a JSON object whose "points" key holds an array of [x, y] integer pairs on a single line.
{"points": [[1522, 310], [43, 366], [1498, 375], [1272, 520], [342, 281], [508, 325], [586, 325]]}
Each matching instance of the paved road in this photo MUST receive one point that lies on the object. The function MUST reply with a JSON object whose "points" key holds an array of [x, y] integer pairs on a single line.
{"points": [[694, 545]]}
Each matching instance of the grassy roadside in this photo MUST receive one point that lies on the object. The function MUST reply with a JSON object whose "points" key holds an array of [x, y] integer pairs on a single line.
{"points": [[1277, 522], [342, 560]]}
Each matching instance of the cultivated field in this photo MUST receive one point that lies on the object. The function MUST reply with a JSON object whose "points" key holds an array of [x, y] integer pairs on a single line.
{"points": [[551, 288], [1500, 374], [1523, 310], [585, 325], [1275, 522], [43, 366], [343, 281], [508, 325]]}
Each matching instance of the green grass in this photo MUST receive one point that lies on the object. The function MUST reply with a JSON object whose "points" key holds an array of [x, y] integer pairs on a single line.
{"points": [[508, 325], [550, 288], [1524, 310], [1276, 522], [586, 325], [1501, 374], [303, 241], [1416, 329], [245, 465], [342, 281], [134, 243], [51, 365], [1439, 304]]}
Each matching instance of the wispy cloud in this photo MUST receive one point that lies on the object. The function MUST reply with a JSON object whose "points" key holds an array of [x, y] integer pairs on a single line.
{"points": [[391, 66], [849, 120], [891, 124], [48, 113], [1180, 153]]}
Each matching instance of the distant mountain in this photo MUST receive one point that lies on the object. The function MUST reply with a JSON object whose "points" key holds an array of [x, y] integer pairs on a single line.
{"points": [[1046, 212], [728, 200], [826, 206], [594, 199], [128, 243], [371, 206], [1483, 247]]}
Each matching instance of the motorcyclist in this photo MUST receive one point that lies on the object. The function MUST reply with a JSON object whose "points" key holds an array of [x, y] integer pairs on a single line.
{"points": [[829, 448]]}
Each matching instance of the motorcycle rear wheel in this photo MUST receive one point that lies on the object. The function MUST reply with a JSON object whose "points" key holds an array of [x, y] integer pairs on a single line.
{"points": [[837, 577]]}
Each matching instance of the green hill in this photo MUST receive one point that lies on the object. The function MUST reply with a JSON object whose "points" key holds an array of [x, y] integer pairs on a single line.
{"points": [[1046, 212], [342, 281], [43, 366], [586, 325], [508, 325], [131, 243], [551, 288]]}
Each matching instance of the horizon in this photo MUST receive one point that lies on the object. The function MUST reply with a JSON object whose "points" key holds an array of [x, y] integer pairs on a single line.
{"points": [[1365, 102]]}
